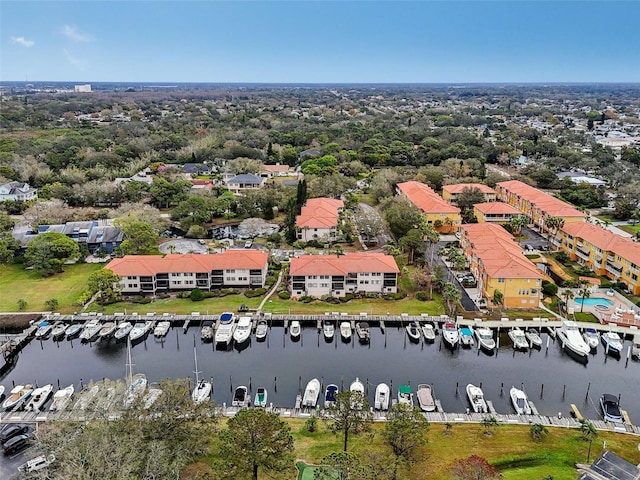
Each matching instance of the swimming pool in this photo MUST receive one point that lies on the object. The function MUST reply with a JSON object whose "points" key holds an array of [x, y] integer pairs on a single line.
{"points": [[590, 302]]}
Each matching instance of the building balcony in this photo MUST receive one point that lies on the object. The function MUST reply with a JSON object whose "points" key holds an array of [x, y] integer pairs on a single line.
{"points": [[582, 254], [614, 269]]}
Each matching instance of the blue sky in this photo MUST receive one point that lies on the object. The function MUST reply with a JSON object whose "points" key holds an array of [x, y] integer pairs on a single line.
{"points": [[326, 41]]}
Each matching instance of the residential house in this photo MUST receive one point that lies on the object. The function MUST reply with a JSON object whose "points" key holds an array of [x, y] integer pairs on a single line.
{"points": [[319, 219], [154, 273], [318, 275], [196, 169], [245, 181], [495, 212], [96, 234], [602, 251], [451, 192], [536, 204], [277, 170], [444, 217], [17, 191], [498, 263], [609, 466]]}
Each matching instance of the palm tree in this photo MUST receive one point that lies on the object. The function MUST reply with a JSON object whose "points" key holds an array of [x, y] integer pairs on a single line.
{"points": [[489, 423], [451, 295], [585, 292], [517, 223], [568, 295], [498, 298], [589, 433], [553, 224]]}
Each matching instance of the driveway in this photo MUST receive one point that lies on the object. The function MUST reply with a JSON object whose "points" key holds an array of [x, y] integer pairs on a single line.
{"points": [[465, 300], [533, 238], [183, 246]]}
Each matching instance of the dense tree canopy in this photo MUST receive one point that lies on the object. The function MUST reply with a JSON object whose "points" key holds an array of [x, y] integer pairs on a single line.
{"points": [[48, 252]]}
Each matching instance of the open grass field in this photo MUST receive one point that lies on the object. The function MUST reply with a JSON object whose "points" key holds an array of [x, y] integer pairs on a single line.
{"points": [[182, 306], [66, 287]]}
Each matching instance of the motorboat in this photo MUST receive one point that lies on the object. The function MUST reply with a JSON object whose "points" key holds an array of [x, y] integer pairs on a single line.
{"points": [[425, 397], [150, 398], [260, 399], [635, 347], [122, 332], [61, 398], [261, 330], [405, 395], [73, 331], [363, 331], [206, 332], [328, 329], [294, 330], [612, 343], [611, 408], [428, 332], [311, 393], [413, 332], [450, 335], [476, 397], [240, 397], [1, 391], [140, 331], [382, 397], [518, 338], [243, 330], [86, 398], [137, 383], [357, 387], [202, 390], [91, 330], [39, 397], [227, 317], [533, 336], [520, 401], [330, 395], [345, 331], [58, 331], [591, 337], [17, 396], [107, 330], [38, 463], [224, 332], [569, 335], [162, 328], [466, 336], [44, 330], [484, 335]]}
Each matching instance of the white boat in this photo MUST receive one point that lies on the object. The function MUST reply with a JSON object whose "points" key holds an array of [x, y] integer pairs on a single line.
{"points": [[224, 332], [261, 330], [572, 340], [356, 387], [86, 398], [107, 330], [122, 332], [311, 393], [428, 332], [612, 343], [520, 401], [38, 463], [73, 330], [382, 397], [44, 330], [260, 399], [466, 336], [140, 330], [1, 391], [58, 331], [328, 329], [17, 396], [202, 390], [240, 397], [39, 397], [91, 330], [162, 329], [476, 397], [591, 337], [635, 348], [450, 334], [345, 331], [61, 398], [243, 330], [533, 336], [413, 332], [137, 383], [611, 408], [425, 397], [294, 330], [484, 336], [363, 332], [330, 395], [405, 395], [518, 338], [206, 332], [150, 398]]}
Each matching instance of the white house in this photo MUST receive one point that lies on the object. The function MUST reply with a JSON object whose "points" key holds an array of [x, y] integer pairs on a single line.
{"points": [[246, 181], [17, 191], [318, 220]]}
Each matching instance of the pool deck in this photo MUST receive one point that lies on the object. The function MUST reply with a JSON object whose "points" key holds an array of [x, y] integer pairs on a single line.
{"points": [[618, 313]]}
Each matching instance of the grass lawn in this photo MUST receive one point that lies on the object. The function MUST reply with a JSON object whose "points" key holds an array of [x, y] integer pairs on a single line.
{"points": [[182, 306], [66, 287], [371, 306], [633, 229]]}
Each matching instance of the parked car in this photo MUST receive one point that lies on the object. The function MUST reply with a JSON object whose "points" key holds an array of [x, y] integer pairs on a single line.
{"points": [[528, 248], [248, 244], [16, 443], [37, 463], [12, 430]]}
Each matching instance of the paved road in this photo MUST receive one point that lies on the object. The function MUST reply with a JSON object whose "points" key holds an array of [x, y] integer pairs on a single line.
{"points": [[465, 300]]}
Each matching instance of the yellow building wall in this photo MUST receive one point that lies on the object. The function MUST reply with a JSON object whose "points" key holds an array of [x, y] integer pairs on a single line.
{"points": [[456, 221], [516, 292]]}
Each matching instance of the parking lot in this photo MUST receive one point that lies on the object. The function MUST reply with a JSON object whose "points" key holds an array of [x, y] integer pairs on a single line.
{"points": [[9, 463], [533, 241]]}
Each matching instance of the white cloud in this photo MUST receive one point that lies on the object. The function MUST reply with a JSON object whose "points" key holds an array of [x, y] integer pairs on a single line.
{"points": [[23, 41], [72, 33], [79, 63]]}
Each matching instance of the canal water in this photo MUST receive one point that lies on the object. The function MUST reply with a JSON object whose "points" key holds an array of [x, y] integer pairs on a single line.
{"points": [[551, 378]]}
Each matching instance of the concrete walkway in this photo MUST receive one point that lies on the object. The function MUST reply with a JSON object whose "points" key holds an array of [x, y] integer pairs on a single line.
{"points": [[271, 292]]}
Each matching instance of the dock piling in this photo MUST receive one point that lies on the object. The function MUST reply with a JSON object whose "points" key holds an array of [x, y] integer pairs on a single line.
{"points": [[501, 389], [542, 391], [588, 387], [457, 390], [564, 389]]}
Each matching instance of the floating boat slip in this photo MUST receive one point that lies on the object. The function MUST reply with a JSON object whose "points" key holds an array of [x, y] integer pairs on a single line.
{"points": [[413, 332], [533, 336], [612, 343], [428, 332], [61, 398], [345, 331], [122, 331], [520, 401], [518, 338], [485, 339], [363, 332], [330, 395], [261, 398], [38, 398], [162, 329], [206, 332], [572, 340], [405, 395], [425, 397], [240, 397], [328, 329], [450, 335], [382, 397], [476, 398], [17, 396], [466, 336], [311, 393], [261, 330]]}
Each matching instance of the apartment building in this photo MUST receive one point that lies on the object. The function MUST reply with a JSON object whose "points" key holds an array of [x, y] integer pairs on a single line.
{"points": [[318, 275], [444, 217], [154, 273], [95, 234], [498, 263], [450, 193], [318, 220], [495, 212]]}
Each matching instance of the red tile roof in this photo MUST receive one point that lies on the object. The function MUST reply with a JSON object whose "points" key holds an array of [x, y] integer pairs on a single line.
{"points": [[424, 198], [319, 213], [545, 202], [459, 187], [497, 208], [343, 264], [605, 240]]}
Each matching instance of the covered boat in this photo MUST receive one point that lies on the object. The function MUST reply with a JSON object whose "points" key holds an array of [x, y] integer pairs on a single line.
{"points": [[330, 395], [466, 336], [425, 397], [240, 397], [44, 330], [363, 332], [261, 398], [611, 408], [405, 395]]}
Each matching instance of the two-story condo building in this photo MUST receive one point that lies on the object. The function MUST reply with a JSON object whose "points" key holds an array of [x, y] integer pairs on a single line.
{"points": [[96, 234], [318, 220], [444, 217], [318, 275], [17, 191], [153, 273], [495, 212], [604, 252], [535, 204], [498, 263], [450, 193]]}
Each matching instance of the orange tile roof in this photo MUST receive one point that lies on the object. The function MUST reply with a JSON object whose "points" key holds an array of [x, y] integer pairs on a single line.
{"points": [[605, 240], [343, 264], [143, 265], [424, 198], [319, 213], [499, 255], [550, 205], [459, 187], [497, 208]]}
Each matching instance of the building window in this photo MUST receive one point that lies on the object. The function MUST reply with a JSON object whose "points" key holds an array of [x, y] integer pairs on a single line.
{"points": [[131, 285], [501, 280]]}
